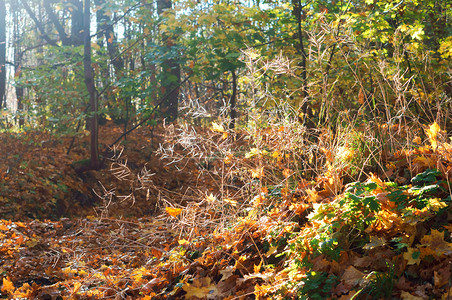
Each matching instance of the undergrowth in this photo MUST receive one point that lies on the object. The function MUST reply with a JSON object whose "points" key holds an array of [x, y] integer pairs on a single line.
{"points": [[351, 210]]}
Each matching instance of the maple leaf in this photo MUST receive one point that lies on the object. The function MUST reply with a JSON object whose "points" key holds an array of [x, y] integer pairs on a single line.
{"points": [[8, 286], [436, 242], [412, 256]]}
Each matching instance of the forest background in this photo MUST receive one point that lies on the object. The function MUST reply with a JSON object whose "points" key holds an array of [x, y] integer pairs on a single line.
{"points": [[257, 148]]}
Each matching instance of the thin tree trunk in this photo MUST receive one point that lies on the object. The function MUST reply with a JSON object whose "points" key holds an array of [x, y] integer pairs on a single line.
{"points": [[2, 54], [297, 10], [89, 81], [18, 62], [232, 101]]}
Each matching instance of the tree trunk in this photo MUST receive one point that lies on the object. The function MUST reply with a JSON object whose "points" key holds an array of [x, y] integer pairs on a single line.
{"points": [[105, 26], [297, 11], [18, 62], [232, 101], [78, 20], [171, 72], [2, 54], [89, 81]]}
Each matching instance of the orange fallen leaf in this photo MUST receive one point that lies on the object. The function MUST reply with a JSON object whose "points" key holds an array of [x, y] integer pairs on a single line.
{"points": [[173, 212], [8, 286]]}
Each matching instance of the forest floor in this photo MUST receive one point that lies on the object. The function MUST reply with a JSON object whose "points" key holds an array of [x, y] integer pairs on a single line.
{"points": [[145, 227]]}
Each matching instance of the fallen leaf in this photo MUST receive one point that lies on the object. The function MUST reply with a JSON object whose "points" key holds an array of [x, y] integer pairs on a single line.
{"points": [[352, 276], [8, 286], [201, 288], [375, 242], [412, 256], [407, 296], [435, 240], [173, 212]]}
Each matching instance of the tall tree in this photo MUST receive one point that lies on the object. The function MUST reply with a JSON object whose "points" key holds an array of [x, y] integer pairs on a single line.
{"points": [[2, 53], [89, 81], [17, 31], [171, 70]]}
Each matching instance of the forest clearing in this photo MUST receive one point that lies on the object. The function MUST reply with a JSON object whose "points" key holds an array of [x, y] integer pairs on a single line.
{"points": [[225, 149]]}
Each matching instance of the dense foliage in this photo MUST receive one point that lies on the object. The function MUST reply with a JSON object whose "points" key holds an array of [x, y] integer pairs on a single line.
{"points": [[237, 149]]}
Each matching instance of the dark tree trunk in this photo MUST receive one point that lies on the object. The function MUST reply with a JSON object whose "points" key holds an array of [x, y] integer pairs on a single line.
{"points": [[2, 54], [171, 71], [77, 21], [89, 81], [297, 12]]}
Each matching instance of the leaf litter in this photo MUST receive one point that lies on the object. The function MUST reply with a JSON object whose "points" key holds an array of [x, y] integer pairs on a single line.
{"points": [[386, 237]]}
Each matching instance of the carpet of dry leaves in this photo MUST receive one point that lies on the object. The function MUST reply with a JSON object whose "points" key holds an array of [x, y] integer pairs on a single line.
{"points": [[61, 238]]}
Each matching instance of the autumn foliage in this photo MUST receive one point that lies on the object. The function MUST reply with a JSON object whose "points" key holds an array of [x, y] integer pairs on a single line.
{"points": [[386, 236]]}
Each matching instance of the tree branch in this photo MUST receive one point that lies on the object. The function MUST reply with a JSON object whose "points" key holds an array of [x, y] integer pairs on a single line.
{"points": [[39, 25]]}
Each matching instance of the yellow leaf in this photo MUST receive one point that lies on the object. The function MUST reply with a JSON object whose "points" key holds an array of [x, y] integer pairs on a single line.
{"points": [[436, 204], [271, 251], [228, 159], [257, 173], [432, 133], [253, 152], [409, 256], [183, 242], [211, 198], [257, 268], [77, 286], [173, 212], [217, 127], [8, 286], [201, 288]]}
